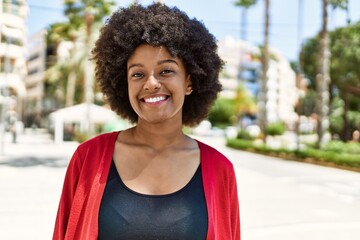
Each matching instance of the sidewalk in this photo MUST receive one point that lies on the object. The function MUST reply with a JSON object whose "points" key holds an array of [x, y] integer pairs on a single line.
{"points": [[31, 176], [35, 148]]}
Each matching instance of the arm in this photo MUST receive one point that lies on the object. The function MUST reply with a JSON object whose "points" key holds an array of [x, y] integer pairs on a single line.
{"points": [[67, 197], [234, 206]]}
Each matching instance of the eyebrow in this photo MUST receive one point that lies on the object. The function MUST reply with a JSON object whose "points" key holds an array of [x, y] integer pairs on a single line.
{"points": [[158, 63], [167, 61]]}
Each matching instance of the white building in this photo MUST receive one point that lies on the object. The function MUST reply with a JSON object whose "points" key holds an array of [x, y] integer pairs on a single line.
{"points": [[13, 16], [243, 65], [35, 85], [282, 90]]}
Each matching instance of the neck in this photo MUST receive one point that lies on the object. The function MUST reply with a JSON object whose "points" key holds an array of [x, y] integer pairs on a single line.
{"points": [[159, 136]]}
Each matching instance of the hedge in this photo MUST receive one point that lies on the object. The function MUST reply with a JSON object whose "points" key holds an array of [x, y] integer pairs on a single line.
{"points": [[324, 157]]}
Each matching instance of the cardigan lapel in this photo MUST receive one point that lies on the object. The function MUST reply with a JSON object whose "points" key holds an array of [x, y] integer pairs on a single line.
{"points": [[208, 177]]}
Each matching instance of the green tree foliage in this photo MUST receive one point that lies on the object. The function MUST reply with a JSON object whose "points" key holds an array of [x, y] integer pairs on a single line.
{"points": [[245, 3], [244, 102], [76, 10], [65, 80], [345, 73], [342, 4]]}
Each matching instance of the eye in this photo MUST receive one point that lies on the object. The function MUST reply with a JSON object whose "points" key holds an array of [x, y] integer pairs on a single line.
{"points": [[137, 75], [167, 71]]}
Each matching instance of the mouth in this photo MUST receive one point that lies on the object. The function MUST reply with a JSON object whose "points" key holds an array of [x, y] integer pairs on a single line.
{"points": [[157, 99]]}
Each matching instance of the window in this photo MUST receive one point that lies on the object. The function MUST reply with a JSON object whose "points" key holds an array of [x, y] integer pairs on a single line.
{"points": [[11, 7], [33, 71], [34, 56], [11, 40], [3, 62]]}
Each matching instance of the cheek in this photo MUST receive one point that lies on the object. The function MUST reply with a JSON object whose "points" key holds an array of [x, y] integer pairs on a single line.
{"points": [[131, 94]]}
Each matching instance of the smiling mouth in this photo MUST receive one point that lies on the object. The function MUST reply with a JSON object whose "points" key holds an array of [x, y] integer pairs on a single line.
{"points": [[155, 99]]}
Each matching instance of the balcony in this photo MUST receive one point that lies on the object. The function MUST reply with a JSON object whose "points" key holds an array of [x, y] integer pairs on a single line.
{"points": [[11, 51], [13, 21]]}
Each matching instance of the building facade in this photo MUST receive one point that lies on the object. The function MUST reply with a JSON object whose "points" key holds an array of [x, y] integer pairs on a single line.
{"points": [[13, 14], [243, 66], [35, 85]]}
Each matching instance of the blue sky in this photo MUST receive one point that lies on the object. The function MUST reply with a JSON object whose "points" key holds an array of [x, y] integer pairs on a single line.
{"points": [[223, 19]]}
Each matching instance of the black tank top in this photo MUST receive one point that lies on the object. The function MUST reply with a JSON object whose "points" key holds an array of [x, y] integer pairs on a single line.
{"points": [[125, 214]]}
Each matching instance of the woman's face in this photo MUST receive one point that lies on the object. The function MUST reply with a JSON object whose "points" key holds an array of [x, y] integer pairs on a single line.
{"points": [[157, 84]]}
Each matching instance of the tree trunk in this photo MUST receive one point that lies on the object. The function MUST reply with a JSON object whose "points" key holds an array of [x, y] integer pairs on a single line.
{"points": [[264, 77], [70, 89], [323, 80], [346, 134], [244, 24]]}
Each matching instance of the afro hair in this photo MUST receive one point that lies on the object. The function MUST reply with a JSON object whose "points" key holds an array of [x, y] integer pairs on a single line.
{"points": [[157, 25]]}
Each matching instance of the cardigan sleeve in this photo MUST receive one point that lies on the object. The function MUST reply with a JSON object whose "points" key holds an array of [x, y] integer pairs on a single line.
{"points": [[67, 197], [234, 205], [219, 181]]}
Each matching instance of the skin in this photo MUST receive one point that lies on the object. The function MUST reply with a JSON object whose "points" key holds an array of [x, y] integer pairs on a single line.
{"points": [[155, 157]]}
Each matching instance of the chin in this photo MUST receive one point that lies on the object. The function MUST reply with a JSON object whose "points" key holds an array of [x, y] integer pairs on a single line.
{"points": [[156, 119]]}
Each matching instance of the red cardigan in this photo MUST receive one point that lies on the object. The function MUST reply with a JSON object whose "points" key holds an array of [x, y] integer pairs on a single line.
{"points": [[86, 176]]}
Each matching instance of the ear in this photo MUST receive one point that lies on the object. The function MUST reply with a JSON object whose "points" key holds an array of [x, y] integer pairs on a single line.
{"points": [[188, 83]]}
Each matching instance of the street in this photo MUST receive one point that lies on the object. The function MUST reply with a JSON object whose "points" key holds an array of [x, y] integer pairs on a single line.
{"points": [[279, 200]]}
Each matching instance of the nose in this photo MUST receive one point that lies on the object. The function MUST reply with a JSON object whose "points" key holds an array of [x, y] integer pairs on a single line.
{"points": [[152, 83]]}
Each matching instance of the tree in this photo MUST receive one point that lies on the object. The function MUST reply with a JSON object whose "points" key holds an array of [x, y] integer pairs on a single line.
{"points": [[244, 5], [323, 72], [265, 68], [244, 103], [345, 76], [262, 115], [323, 78], [82, 36]]}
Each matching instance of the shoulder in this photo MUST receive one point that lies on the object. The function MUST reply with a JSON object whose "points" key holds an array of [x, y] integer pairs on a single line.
{"points": [[91, 152], [100, 142], [211, 156]]}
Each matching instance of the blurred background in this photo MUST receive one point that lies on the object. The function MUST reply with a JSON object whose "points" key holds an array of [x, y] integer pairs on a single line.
{"points": [[289, 65], [291, 91]]}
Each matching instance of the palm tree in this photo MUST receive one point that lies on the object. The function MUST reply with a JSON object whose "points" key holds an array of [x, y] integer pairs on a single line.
{"points": [[264, 78], [82, 37], [299, 71], [245, 5], [85, 15], [323, 75], [323, 78], [262, 115]]}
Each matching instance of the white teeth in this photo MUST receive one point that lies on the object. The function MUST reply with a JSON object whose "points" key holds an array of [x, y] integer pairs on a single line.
{"points": [[155, 99]]}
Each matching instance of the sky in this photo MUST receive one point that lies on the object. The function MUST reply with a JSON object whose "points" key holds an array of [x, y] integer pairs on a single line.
{"points": [[223, 19]]}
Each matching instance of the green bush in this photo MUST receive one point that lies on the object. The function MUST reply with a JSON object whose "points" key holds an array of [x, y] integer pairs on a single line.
{"points": [[222, 113], [344, 159], [240, 144], [274, 129], [342, 147], [243, 134], [81, 137]]}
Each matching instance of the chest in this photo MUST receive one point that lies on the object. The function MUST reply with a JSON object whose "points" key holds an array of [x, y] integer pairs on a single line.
{"points": [[126, 214], [155, 173]]}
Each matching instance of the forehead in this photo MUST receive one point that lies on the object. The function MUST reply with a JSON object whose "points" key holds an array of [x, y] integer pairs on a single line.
{"points": [[147, 52]]}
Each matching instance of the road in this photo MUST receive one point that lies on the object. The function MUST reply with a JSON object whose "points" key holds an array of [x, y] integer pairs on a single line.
{"points": [[279, 200]]}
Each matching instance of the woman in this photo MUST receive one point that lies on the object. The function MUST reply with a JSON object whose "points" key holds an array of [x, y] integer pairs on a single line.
{"points": [[158, 69]]}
